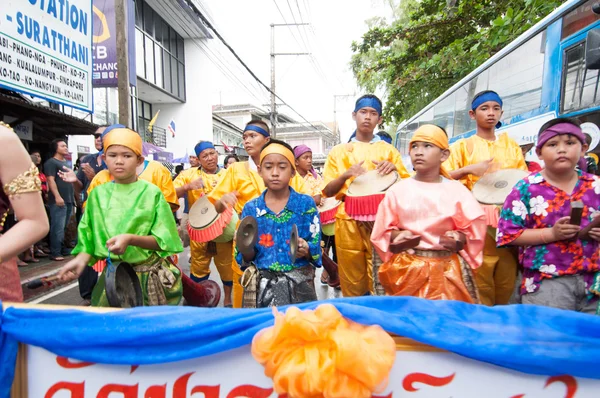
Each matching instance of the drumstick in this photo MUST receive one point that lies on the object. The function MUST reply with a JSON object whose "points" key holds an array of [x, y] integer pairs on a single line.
{"points": [[405, 244], [454, 245], [37, 283], [576, 212]]}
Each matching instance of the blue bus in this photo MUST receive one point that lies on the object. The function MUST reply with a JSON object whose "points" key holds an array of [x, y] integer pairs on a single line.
{"points": [[540, 75]]}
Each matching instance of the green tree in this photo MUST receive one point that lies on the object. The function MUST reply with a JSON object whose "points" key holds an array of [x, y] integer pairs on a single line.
{"points": [[432, 44]]}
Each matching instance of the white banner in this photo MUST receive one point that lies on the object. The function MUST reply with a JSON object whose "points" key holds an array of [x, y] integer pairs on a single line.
{"points": [[235, 374], [46, 50]]}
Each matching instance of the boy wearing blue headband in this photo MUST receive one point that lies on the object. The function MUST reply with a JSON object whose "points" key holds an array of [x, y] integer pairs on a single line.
{"points": [[365, 151], [470, 159], [196, 182]]}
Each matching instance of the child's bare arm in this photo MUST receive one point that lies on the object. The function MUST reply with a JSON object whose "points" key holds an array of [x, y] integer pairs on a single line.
{"points": [[562, 230]]}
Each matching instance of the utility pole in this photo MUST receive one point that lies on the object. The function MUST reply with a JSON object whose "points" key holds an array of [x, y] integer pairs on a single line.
{"points": [[336, 131], [273, 115], [123, 63]]}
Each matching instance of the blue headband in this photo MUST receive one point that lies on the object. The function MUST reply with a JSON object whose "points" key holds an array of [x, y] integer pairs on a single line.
{"points": [[368, 102], [201, 146], [257, 129], [491, 96]]}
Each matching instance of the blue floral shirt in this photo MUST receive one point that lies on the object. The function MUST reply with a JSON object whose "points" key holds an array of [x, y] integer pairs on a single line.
{"points": [[274, 230]]}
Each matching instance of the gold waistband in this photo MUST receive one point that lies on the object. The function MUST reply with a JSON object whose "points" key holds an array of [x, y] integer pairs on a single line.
{"points": [[433, 253]]}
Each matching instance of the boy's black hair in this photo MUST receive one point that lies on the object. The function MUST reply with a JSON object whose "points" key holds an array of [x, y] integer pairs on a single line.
{"points": [[588, 138], [262, 123], [553, 122], [443, 129], [54, 144], [479, 94], [369, 96], [384, 134], [274, 141]]}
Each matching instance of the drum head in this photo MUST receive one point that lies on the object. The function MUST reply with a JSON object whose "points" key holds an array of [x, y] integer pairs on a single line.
{"points": [[371, 183], [123, 288], [293, 243], [328, 204], [247, 235], [202, 213], [494, 188]]}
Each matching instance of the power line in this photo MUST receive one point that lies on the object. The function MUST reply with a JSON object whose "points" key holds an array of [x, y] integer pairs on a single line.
{"points": [[211, 27]]}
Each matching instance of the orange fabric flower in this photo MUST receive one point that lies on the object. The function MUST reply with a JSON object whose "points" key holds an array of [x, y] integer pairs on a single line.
{"points": [[266, 240], [321, 354]]}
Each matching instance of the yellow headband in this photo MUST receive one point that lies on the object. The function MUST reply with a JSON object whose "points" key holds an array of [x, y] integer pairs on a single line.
{"points": [[279, 150], [125, 137], [434, 135]]}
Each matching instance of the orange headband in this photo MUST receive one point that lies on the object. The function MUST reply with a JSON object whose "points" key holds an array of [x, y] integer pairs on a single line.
{"points": [[434, 135], [279, 150], [125, 137]]}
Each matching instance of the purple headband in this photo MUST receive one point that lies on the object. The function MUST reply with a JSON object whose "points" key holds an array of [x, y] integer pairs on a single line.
{"points": [[301, 150], [559, 129]]}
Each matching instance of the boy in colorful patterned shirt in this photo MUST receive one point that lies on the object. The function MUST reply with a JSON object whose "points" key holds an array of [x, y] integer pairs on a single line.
{"points": [[283, 280], [560, 269]]}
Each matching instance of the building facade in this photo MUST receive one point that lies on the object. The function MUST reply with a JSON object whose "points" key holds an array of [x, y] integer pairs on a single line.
{"points": [[172, 78]]}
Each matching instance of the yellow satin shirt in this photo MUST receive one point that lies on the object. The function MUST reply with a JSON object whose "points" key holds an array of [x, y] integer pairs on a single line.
{"points": [[210, 182], [248, 184], [344, 156], [506, 152], [155, 173], [315, 185]]}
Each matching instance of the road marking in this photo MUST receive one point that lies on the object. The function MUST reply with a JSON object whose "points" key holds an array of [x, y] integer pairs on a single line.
{"points": [[54, 293]]}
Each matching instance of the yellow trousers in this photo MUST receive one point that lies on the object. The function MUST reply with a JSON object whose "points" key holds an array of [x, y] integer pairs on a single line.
{"points": [[200, 266], [354, 253], [496, 277]]}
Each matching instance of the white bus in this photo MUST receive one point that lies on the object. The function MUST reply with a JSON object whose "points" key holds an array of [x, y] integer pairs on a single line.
{"points": [[540, 75]]}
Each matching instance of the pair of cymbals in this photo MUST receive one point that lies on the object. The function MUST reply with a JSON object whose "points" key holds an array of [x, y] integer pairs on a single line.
{"points": [[247, 236]]}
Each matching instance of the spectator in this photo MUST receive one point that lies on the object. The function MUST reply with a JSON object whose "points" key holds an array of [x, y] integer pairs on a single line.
{"points": [[60, 199], [194, 162], [229, 159], [90, 166]]}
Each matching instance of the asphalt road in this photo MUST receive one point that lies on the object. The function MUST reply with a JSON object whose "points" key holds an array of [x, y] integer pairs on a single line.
{"points": [[69, 294]]}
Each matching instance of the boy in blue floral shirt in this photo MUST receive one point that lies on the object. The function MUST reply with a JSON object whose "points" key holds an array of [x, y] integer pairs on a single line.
{"points": [[281, 279]]}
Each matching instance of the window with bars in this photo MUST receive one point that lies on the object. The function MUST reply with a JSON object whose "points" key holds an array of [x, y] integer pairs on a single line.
{"points": [[579, 85]]}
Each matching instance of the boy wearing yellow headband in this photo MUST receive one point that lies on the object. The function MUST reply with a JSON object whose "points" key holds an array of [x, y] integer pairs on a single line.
{"points": [[242, 183], [282, 279], [366, 151], [128, 220], [431, 206], [470, 159]]}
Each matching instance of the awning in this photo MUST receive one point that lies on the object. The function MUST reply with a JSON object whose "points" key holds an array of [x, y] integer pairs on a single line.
{"points": [[48, 123]]}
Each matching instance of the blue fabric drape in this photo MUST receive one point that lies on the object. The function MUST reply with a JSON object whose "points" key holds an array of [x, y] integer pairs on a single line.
{"points": [[529, 339]]}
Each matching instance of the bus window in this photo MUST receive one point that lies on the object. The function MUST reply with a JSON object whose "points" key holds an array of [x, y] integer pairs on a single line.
{"points": [[518, 77], [580, 85], [443, 114], [464, 96]]}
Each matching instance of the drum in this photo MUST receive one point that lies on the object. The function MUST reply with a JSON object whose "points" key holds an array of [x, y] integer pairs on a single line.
{"points": [[494, 188], [328, 210], [365, 194], [205, 224]]}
